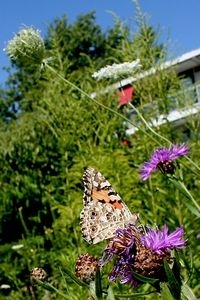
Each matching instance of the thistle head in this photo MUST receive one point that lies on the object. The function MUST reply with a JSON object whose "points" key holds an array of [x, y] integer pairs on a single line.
{"points": [[38, 274], [86, 267], [141, 252], [163, 159]]}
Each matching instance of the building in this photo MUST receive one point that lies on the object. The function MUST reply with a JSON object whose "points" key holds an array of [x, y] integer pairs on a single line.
{"points": [[187, 66]]}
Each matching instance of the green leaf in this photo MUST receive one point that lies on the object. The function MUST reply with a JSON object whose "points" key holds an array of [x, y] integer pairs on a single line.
{"points": [[98, 286], [187, 292], [173, 283], [144, 279], [51, 288], [192, 206], [110, 295], [165, 292], [192, 209], [74, 278]]}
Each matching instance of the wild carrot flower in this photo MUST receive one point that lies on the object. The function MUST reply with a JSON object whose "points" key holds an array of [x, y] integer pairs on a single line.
{"points": [[5, 286], [5, 289], [141, 252], [198, 236], [26, 48], [17, 247], [116, 70], [162, 159], [86, 267]]}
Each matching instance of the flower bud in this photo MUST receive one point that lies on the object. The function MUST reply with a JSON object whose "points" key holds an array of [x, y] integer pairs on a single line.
{"points": [[38, 274], [86, 267], [26, 48]]}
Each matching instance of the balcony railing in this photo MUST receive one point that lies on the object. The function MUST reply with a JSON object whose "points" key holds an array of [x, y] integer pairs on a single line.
{"points": [[178, 109]]}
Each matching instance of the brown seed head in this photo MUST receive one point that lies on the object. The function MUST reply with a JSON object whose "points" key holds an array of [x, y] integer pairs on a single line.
{"points": [[149, 263], [38, 274], [86, 266]]}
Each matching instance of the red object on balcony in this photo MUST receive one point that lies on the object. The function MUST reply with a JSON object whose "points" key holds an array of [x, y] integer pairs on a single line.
{"points": [[125, 94]]}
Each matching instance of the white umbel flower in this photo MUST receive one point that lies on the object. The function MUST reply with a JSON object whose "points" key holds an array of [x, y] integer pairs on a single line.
{"points": [[5, 286], [116, 70], [16, 247], [26, 48]]}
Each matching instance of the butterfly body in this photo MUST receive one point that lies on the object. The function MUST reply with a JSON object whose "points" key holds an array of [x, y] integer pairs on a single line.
{"points": [[103, 209]]}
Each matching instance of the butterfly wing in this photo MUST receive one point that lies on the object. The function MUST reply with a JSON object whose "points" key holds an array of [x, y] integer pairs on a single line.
{"points": [[103, 209]]}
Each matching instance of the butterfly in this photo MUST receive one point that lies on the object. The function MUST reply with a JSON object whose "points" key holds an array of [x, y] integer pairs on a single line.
{"points": [[103, 209]]}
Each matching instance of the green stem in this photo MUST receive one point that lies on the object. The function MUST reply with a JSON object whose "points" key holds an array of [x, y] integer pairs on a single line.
{"points": [[179, 184], [99, 103], [22, 221], [50, 287], [193, 163], [84, 93], [158, 135], [147, 124], [119, 114]]}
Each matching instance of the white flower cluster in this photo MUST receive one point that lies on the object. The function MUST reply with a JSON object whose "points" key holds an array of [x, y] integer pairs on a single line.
{"points": [[116, 70], [16, 247], [26, 47]]}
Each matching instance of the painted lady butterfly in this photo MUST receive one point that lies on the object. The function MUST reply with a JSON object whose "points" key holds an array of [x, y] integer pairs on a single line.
{"points": [[104, 211]]}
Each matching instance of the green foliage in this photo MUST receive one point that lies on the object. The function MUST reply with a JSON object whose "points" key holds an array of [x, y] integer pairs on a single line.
{"points": [[56, 131]]}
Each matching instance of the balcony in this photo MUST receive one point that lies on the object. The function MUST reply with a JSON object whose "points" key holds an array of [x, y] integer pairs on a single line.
{"points": [[181, 106]]}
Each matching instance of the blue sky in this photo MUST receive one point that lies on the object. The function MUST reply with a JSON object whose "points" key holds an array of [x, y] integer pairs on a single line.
{"points": [[177, 20]]}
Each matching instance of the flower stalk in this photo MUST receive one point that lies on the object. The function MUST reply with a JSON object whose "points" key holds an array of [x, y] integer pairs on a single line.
{"points": [[183, 189], [147, 125]]}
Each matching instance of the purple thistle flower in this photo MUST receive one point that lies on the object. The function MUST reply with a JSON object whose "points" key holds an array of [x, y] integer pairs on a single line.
{"points": [[122, 270], [161, 242], [141, 252], [163, 159]]}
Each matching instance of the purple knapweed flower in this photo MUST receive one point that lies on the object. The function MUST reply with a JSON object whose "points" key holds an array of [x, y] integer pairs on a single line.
{"points": [[160, 241], [162, 159], [142, 252], [122, 247], [123, 270]]}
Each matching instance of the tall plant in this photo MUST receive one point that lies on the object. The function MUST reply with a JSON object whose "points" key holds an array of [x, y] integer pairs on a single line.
{"points": [[60, 129]]}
